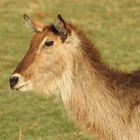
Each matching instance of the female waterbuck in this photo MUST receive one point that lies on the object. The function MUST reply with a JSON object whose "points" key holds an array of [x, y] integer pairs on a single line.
{"points": [[62, 60]]}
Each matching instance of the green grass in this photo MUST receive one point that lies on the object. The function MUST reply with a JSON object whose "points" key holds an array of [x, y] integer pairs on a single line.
{"points": [[114, 27]]}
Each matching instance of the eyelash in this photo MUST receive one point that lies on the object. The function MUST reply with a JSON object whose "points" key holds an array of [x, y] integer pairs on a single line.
{"points": [[49, 43]]}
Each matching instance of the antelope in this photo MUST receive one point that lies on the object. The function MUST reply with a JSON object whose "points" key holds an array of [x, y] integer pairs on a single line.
{"points": [[62, 60]]}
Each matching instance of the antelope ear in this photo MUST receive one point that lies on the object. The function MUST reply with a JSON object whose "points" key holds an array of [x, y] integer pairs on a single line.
{"points": [[60, 25], [34, 26]]}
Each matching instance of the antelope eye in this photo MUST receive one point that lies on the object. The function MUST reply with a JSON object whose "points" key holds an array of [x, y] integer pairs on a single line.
{"points": [[49, 43]]}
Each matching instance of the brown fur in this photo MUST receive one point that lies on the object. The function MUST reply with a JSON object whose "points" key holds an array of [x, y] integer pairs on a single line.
{"points": [[118, 90], [103, 100]]}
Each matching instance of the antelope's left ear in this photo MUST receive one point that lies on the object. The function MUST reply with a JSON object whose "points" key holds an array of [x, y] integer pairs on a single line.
{"points": [[61, 27], [34, 26]]}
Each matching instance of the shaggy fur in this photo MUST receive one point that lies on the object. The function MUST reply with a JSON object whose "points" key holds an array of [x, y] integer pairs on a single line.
{"points": [[106, 102]]}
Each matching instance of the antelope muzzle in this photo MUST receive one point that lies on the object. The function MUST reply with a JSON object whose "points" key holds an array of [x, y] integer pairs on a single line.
{"points": [[18, 82]]}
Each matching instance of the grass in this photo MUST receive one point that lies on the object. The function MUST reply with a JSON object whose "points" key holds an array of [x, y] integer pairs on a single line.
{"points": [[113, 26]]}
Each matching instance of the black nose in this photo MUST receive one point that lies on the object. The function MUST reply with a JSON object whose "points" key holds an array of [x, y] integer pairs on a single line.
{"points": [[13, 81]]}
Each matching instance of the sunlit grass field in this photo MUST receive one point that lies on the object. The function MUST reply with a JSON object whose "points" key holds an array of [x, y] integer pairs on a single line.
{"points": [[112, 25]]}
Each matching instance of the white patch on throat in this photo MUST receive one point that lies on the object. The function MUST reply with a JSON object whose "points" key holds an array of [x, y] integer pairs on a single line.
{"points": [[66, 88]]}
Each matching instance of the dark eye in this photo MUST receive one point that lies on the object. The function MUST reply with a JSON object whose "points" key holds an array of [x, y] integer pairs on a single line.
{"points": [[49, 43]]}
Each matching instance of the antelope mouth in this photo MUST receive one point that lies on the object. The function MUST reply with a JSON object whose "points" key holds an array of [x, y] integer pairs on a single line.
{"points": [[20, 87], [23, 86]]}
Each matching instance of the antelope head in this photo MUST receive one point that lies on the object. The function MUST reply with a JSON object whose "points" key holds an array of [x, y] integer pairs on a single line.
{"points": [[47, 61]]}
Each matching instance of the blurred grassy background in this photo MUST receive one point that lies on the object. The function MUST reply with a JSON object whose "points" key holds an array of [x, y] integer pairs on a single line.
{"points": [[114, 27]]}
